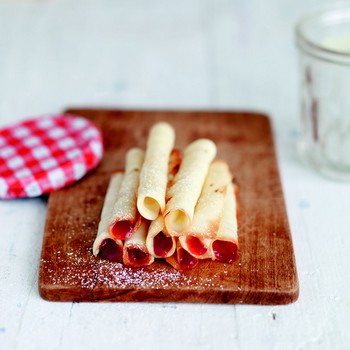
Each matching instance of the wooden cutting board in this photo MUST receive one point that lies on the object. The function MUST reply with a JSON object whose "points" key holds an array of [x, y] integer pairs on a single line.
{"points": [[265, 272]]}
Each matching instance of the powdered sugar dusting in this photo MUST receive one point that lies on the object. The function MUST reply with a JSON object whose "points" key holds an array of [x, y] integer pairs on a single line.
{"points": [[69, 268], [111, 275], [79, 268]]}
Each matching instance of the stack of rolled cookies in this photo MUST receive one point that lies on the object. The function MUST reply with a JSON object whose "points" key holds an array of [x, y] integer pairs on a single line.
{"points": [[179, 207]]}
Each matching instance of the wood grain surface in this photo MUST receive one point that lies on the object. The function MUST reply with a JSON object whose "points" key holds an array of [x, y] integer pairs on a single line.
{"points": [[265, 272]]}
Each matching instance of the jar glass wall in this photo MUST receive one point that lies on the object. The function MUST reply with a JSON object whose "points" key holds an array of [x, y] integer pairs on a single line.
{"points": [[323, 40]]}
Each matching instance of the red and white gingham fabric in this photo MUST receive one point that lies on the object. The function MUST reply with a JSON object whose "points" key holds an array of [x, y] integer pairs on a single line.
{"points": [[47, 153]]}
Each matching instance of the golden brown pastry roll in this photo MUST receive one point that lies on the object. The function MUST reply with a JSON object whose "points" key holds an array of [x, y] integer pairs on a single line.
{"points": [[183, 194], [154, 173], [210, 205], [173, 166], [182, 259], [199, 247], [159, 243], [225, 245], [105, 244], [135, 251], [125, 219]]}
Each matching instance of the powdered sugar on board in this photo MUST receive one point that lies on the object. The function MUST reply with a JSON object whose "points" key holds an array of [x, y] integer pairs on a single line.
{"points": [[79, 268]]}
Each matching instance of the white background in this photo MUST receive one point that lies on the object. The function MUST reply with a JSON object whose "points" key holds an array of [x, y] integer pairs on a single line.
{"points": [[206, 54]]}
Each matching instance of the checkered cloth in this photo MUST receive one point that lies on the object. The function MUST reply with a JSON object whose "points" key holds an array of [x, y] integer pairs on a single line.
{"points": [[47, 153]]}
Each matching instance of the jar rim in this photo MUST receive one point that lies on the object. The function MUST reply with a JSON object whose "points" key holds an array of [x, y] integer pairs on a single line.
{"points": [[336, 14]]}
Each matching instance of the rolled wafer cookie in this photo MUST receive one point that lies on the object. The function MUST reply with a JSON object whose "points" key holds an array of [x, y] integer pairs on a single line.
{"points": [[183, 194], [105, 243], [159, 243], [225, 245], [125, 218], [154, 173], [210, 206], [135, 252]]}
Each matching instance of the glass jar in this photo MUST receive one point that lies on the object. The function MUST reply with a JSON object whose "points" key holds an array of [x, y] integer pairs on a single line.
{"points": [[323, 40]]}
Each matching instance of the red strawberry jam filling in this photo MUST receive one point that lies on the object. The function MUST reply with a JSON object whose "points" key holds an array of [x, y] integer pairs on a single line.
{"points": [[162, 244], [137, 257], [225, 252], [122, 229], [186, 260], [195, 245], [111, 250]]}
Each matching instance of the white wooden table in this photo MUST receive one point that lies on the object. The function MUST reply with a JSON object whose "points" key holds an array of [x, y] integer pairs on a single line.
{"points": [[203, 54]]}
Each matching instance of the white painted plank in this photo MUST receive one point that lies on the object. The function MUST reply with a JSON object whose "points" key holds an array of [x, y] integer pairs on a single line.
{"points": [[82, 54], [155, 326], [22, 224]]}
